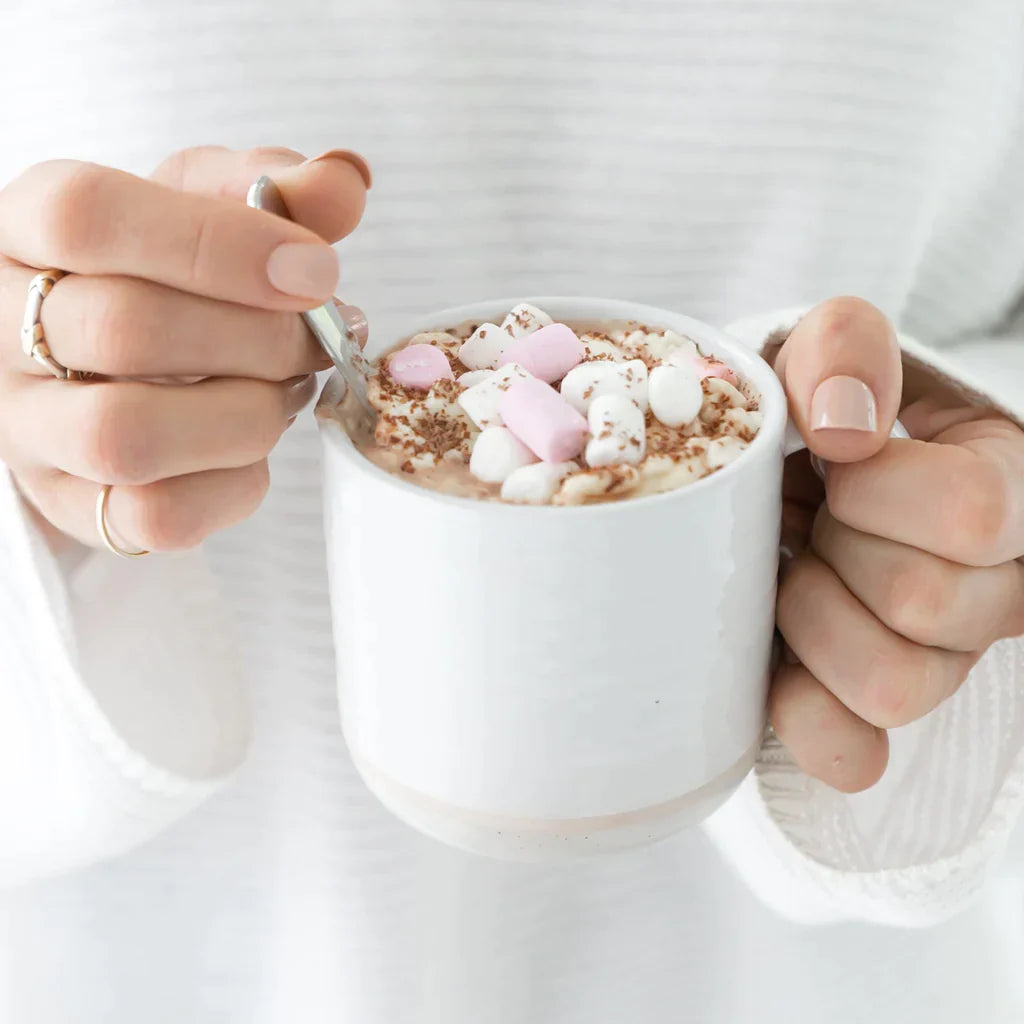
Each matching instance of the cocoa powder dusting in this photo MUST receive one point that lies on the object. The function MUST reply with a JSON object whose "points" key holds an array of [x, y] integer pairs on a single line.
{"points": [[447, 389], [441, 434], [431, 427]]}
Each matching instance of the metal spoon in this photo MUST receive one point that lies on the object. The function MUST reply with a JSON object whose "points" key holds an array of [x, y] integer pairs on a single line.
{"points": [[341, 330]]}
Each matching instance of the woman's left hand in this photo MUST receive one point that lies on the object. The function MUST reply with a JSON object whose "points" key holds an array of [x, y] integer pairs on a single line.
{"points": [[906, 562]]}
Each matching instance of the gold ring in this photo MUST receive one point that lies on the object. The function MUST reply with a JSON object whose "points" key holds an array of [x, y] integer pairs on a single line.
{"points": [[33, 338], [104, 530]]}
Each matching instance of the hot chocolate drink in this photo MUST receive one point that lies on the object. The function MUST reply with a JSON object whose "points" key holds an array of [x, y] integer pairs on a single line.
{"points": [[535, 412]]}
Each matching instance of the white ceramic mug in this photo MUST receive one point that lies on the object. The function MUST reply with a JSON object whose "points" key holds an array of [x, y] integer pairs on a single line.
{"points": [[536, 682]]}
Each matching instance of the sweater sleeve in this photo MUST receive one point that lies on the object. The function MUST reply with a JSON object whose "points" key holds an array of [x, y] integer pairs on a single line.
{"points": [[916, 847], [121, 702]]}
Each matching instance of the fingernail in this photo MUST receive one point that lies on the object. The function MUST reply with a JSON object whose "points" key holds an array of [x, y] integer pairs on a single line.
{"points": [[357, 161], [300, 394], [843, 403], [305, 269], [355, 321]]}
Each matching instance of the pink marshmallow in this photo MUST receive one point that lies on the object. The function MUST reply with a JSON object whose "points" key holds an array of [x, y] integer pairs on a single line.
{"points": [[548, 353], [543, 420], [705, 366], [419, 366], [713, 368]]}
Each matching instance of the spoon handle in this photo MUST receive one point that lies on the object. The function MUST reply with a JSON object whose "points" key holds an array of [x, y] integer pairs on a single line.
{"points": [[338, 330]]}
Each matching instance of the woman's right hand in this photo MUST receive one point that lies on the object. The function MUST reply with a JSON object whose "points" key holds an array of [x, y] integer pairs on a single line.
{"points": [[170, 278]]}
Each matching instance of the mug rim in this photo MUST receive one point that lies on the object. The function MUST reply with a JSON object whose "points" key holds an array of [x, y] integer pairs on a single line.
{"points": [[741, 357]]}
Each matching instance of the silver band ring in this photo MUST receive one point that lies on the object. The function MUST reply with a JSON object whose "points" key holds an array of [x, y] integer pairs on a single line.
{"points": [[104, 530], [33, 338]]}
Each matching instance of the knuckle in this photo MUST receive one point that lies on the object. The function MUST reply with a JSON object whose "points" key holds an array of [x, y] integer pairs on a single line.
{"points": [[201, 247], [977, 513], [917, 598], [900, 688], [159, 523], [112, 440], [284, 332], [175, 169], [72, 220], [110, 325]]}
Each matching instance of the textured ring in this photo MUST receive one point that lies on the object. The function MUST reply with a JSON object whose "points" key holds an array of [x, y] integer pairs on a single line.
{"points": [[104, 530], [33, 338]]}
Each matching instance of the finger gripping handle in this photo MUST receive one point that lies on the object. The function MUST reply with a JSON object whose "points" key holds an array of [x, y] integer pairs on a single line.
{"points": [[793, 442]]}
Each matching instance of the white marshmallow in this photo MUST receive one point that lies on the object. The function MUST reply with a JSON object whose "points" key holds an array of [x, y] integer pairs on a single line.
{"points": [[682, 357], [730, 397], [524, 319], [600, 484], [723, 450], [618, 431], [601, 347], [662, 346], [482, 349], [467, 380], [481, 401], [634, 341], [675, 394], [536, 484], [743, 419], [497, 454], [583, 383]]}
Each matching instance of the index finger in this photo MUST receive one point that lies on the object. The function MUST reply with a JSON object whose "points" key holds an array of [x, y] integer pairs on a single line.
{"points": [[326, 194], [96, 220], [960, 496]]}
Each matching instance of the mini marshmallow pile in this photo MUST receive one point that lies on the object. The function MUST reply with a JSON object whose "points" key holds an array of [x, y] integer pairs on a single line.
{"points": [[540, 404]]}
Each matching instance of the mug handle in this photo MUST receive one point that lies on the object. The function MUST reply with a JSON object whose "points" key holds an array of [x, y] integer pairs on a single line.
{"points": [[792, 442]]}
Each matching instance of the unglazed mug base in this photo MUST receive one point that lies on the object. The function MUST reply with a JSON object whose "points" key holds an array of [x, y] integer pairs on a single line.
{"points": [[543, 840]]}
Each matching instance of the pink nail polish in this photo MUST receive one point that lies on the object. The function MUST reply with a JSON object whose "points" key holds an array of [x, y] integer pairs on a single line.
{"points": [[357, 161], [304, 269], [843, 403]]}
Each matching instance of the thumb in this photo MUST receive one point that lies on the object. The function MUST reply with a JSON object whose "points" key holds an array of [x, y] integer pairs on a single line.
{"points": [[843, 374]]}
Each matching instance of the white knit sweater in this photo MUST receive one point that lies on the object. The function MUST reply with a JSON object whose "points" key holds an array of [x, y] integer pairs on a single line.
{"points": [[182, 836]]}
